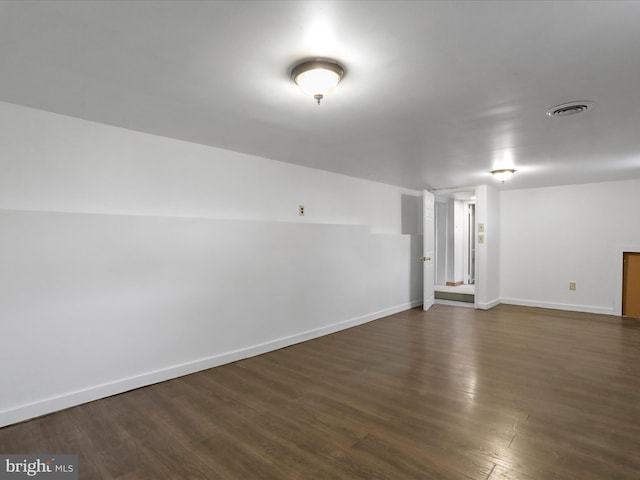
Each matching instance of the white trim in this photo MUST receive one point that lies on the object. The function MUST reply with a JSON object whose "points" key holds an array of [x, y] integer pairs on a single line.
{"points": [[53, 404], [559, 306], [487, 305]]}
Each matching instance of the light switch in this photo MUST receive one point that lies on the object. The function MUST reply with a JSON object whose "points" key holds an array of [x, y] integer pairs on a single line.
{"points": [[480, 238], [481, 227]]}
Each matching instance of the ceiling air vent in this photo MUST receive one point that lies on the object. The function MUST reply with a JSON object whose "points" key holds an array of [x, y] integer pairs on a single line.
{"points": [[567, 109]]}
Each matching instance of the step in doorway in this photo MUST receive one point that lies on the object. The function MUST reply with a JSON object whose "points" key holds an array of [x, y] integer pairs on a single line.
{"points": [[459, 293]]}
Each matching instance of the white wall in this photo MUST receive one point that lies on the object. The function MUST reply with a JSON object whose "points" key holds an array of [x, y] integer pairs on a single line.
{"points": [[129, 258], [488, 256], [551, 236], [58, 163]]}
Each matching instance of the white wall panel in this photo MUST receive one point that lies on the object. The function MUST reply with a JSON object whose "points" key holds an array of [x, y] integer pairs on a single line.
{"points": [[554, 235], [488, 255], [127, 259]]}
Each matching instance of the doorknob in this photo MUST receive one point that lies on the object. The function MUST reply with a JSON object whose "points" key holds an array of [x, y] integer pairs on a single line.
{"points": [[425, 259]]}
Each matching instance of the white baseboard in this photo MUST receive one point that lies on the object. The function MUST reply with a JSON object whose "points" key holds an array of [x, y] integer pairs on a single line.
{"points": [[559, 306], [487, 305], [78, 397]]}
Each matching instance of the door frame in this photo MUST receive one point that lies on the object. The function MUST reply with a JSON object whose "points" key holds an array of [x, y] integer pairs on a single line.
{"points": [[428, 249], [466, 254], [618, 258]]}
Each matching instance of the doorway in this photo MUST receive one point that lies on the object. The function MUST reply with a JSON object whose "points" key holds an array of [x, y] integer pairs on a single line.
{"points": [[455, 246], [631, 284], [470, 246]]}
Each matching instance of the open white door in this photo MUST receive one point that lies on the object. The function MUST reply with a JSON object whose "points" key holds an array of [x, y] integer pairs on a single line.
{"points": [[428, 250]]}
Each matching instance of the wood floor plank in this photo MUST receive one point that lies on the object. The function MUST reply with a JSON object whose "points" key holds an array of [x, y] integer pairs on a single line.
{"points": [[454, 393]]}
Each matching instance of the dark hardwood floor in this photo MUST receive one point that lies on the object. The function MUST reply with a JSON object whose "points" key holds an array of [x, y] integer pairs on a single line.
{"points": [[454, 393]]}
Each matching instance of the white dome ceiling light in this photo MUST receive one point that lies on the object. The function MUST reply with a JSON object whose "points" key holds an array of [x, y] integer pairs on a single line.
{"points": [[503, 174], [317, 77]]}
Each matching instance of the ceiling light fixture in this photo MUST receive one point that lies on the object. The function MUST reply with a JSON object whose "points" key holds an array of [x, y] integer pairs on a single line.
{"points": [[317, 77], [572, 108], [503, 174]]}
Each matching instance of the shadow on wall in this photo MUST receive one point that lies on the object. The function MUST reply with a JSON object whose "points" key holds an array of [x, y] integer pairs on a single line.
{"points": [[411, 214]]}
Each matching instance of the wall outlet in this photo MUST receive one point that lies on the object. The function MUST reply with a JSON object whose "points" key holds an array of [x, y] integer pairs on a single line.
{"points": [[301, 210], [572, 285]]}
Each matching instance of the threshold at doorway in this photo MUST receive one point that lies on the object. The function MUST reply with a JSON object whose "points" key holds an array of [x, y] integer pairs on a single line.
{"points": [[462, 294]]}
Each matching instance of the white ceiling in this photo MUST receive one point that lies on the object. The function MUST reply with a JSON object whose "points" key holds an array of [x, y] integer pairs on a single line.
{"points": [[436, 94]]}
